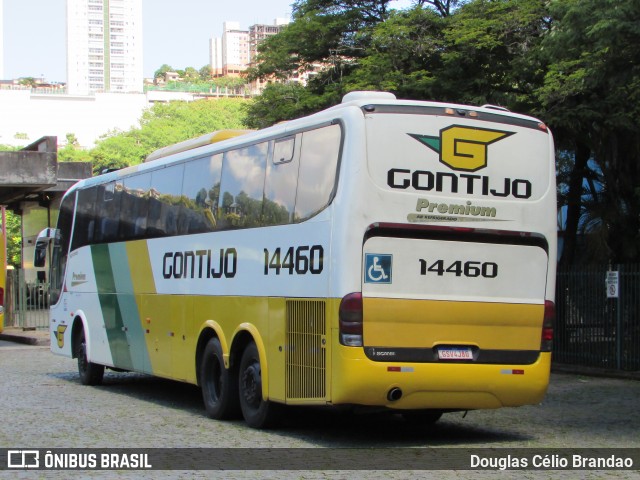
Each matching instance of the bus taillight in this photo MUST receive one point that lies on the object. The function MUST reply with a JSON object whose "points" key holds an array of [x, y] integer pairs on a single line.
{"points": [[547, 326], [1, 301], [351, 320]]}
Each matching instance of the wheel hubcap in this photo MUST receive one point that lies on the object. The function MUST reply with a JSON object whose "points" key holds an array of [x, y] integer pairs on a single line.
{"points": [[252, 384]]}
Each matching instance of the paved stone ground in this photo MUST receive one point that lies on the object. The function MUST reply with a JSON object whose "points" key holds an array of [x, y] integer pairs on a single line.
{"points": [[44, 406]]}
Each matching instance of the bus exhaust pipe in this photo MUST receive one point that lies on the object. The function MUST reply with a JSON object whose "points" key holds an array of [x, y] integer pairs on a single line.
{"points": [[394, 394]]}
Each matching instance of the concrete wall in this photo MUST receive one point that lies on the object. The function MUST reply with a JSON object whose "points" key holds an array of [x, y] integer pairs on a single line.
{"points": [[28, 116]]}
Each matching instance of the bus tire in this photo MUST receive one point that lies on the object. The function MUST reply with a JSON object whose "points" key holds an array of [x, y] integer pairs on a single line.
{"points": [[90, 373], [257, 412], [219, 385]]}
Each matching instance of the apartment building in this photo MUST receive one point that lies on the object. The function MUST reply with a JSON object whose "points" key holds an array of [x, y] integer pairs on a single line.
{"points": [[232, 54], [104, 46], [258, 32]]}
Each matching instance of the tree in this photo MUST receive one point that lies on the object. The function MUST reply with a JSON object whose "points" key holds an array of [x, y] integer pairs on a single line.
{"points": [[282, 101], [72, 152], [165, 124], [403, 57], [489, 54], [321, 31], [206, 73], [14, 239], [28, 82], [191, 75], [590, 96], [444, 8], [160, 73]]}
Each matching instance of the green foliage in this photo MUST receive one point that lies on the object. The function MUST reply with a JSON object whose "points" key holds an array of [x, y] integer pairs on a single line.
{"points": [[322, 31], [160, 73], [489, 52], [283, 101], [72, 152], [224, 84], [590, 95], [14, 239], [8, 148], [28, 82], [205, 73], [165, 124], [403, 56]]}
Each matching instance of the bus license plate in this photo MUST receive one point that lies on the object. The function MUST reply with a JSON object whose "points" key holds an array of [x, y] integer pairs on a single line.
{"points": [[455, 354]]}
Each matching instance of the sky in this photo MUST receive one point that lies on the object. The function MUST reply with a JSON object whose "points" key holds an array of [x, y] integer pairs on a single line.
{"points": [[175, 32]]}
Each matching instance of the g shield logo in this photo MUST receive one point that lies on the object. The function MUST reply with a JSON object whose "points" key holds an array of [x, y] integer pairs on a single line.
{"points": [[462, 148], [59, 334]]}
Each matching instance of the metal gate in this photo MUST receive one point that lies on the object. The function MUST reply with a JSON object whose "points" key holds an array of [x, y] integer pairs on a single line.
{"points": [[596, 325], [26, 303]]}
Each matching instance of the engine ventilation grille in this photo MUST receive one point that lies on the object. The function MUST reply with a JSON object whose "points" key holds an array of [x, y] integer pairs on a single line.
{"points": [[306, 354]]}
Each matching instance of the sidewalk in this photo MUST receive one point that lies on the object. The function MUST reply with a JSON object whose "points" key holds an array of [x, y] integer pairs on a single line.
{"points": [[28, 337]]}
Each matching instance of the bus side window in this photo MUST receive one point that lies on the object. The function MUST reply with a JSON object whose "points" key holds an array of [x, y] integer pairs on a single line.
{"points": [[319, 156], [165, 209], [280, 184], [61, 247], [84, 228], [200, 192], [134, 207], [106, 230], [242, 186]]}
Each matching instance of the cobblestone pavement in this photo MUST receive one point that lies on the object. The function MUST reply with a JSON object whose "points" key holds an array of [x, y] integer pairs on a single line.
{"points": [[46, 407]]}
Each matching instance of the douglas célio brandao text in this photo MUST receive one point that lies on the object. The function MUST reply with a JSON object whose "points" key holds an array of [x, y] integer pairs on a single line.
{"points": [[550, 461]]}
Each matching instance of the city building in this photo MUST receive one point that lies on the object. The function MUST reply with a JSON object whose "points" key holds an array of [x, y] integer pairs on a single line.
{"points": [[215, 56], [236, 50], [104, 46], [258, 32]]}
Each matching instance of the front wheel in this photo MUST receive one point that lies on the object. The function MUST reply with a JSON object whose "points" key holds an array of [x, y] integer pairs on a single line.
{"points": [[219, 385], [90, 373], [257, 412]]}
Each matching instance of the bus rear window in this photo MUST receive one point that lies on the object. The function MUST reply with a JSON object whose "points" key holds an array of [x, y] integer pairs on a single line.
{"points": [[319, 156]]}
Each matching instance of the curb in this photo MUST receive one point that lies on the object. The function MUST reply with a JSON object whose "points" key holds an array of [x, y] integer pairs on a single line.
{"points": [[19, 339], [594, 371]]}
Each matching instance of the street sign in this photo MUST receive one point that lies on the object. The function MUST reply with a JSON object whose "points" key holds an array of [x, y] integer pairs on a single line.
{"points": [[612, 282]]}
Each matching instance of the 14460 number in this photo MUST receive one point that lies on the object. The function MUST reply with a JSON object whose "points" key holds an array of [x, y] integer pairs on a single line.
{"points": [[300, 260], [471, 269]]}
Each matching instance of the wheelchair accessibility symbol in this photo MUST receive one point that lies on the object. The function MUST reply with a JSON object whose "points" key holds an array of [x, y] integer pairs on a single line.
{"points": [[377, 268]]}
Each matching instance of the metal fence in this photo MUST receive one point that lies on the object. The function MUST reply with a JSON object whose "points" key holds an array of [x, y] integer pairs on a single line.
{"points": [[27, 303], [597, 323]]}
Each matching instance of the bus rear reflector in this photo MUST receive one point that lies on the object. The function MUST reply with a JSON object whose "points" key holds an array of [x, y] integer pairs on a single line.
{"points": [[547, 326], [350, 315]]}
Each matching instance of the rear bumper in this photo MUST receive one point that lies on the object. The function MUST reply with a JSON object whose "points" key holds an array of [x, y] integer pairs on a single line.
{"points": [[360, 381]]}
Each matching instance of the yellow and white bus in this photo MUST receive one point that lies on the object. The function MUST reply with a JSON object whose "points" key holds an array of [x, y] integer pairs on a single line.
{"points": [[383, 253]]}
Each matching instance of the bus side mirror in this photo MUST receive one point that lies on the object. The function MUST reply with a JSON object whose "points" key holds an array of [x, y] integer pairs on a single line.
{"points": [[42, 242]]}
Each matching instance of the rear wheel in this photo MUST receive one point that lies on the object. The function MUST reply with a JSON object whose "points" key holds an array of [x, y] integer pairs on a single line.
{"points": [[257, 412], [219, 385], [90, 373]]}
